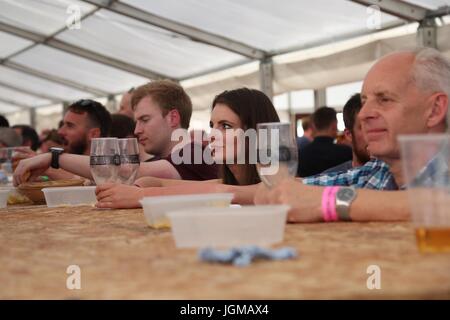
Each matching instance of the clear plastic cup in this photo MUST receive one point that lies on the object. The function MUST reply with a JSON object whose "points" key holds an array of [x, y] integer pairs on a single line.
{"points": [[4, 193], [9, 159], [426, 162]]}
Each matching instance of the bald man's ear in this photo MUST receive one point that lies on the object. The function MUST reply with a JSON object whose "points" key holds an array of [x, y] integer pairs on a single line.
{"points": [[439, 108]]}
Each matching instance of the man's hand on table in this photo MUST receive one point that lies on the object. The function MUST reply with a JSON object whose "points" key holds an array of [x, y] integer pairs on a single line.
{"points": [[31, 168], [119, 196], [305, 201]]}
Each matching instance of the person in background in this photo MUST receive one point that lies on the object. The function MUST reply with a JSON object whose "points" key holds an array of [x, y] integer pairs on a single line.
{"points": [[3, 121], [125, 104], [30, 137], [354, 135], [43, 134], [322, 153], [308, 133], [30, 140], [123, 127], [341, 139], [50, 140], [84, 120], [9, 138]]}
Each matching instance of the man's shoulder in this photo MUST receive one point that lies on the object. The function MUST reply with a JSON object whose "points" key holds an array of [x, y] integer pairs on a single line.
{"points": [[341, 148], [312, 145], [302, 142], [373, 174], [306, 147], [343, 167], [303, 138], [371, 166], [338, 151]]}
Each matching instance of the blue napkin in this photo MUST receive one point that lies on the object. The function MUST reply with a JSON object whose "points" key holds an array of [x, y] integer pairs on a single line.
{"points": [[243, 256]]}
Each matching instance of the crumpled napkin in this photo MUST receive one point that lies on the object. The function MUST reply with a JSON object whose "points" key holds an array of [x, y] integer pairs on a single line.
{"points": [[243, 256]]}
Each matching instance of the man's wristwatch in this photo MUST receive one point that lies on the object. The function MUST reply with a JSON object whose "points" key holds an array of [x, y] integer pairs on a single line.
{"points": [[344, 198], [56, 152]]}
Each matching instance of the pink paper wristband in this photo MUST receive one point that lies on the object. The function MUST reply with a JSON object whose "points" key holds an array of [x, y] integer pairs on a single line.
{"points": [[332, 203], [329, 204], [325, 196]]}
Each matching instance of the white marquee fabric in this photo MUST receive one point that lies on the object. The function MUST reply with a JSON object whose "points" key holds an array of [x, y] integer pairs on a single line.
{"points": [[340, 67], [313, 44]]}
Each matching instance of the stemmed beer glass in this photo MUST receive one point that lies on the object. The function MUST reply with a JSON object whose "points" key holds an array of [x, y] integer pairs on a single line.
{"points": [[129, 160], [104, 160]]}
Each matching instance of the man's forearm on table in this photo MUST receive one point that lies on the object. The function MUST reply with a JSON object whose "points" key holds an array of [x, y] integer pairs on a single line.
{"points": [[76, 164], [372, 205], [58, 174]]}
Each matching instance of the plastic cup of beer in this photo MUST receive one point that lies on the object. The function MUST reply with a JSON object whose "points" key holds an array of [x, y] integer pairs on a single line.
{"points": [[18, 154], [426, 169]]}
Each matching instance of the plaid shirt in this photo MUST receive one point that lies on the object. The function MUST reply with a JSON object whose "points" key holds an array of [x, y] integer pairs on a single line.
{"points": [[374, 174]]}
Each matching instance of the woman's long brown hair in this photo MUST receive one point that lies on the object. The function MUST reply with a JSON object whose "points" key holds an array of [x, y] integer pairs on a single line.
{"points": [[252, 107]]}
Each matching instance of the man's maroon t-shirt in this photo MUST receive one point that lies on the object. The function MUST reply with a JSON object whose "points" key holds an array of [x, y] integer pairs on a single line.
{"points": [[188, 170]]}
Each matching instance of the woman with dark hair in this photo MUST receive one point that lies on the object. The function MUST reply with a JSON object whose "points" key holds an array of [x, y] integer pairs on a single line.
{"points": [[248, 107], [240, 109]]}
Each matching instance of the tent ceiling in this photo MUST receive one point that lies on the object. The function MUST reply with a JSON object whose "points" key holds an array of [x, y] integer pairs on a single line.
{"points": [[147, 46], [92, 74], [268, 25], [125, 43], [8, 107], [39, 87], [20, 98], [430, 4], [14, 44], [42, 16]]}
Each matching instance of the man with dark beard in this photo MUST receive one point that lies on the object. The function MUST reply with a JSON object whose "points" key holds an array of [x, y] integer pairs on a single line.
{"points": [[84, 121], [354, 135]]}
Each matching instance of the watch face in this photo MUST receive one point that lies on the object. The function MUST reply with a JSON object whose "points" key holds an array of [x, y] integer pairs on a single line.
{"points": [[346, 194]]}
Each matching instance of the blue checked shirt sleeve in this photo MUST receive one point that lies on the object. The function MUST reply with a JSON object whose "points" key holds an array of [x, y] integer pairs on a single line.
{"points": [[373, 175]]}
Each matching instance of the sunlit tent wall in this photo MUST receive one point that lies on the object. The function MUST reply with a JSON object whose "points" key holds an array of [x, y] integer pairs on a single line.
{"points": [[302, 53]]}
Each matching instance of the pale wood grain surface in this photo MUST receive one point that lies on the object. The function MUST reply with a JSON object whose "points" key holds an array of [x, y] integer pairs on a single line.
{"points": [[122, 258]]}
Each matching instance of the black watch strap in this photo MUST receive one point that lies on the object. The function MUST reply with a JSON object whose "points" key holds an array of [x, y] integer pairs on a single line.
{"points": [[56, 152]]}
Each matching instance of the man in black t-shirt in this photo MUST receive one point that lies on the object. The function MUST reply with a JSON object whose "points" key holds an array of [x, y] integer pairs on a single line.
{"points": [[322, 153]]}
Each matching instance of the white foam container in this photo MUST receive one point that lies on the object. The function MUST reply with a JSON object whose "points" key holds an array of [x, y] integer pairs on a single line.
{"points": [[69, 196], [4, 193], [155, 208], [225, 227]]}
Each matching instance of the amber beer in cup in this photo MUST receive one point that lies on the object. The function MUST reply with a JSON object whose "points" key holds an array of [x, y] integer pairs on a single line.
{"points": [[433, 239], [426, 169]]}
